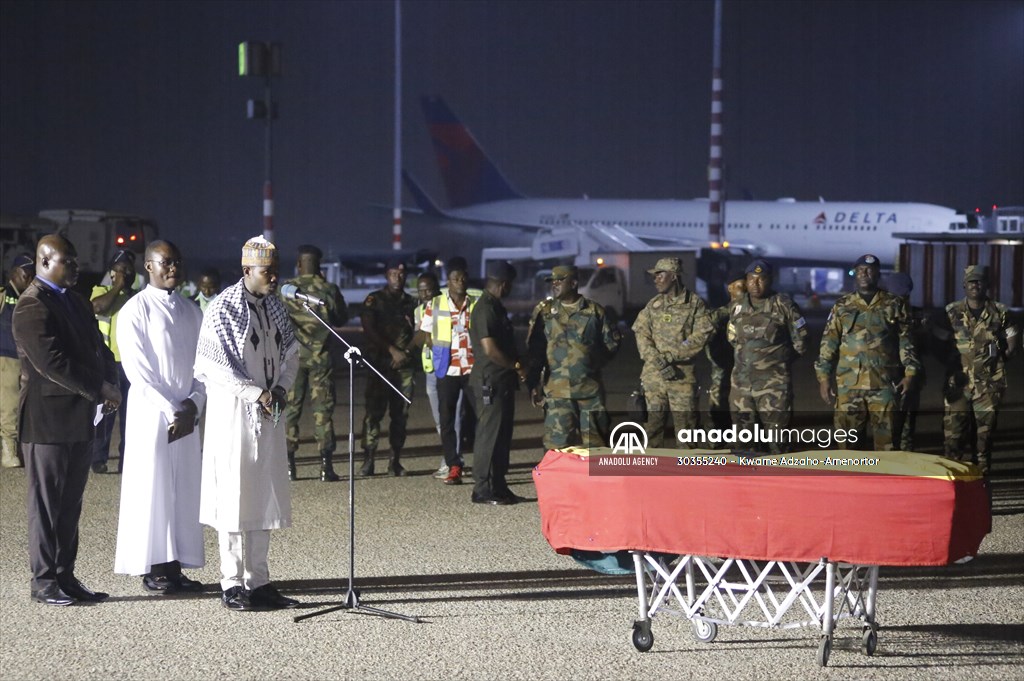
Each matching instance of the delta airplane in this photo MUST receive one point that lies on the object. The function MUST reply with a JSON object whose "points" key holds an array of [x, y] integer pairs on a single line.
{"points": [[785, 230]]}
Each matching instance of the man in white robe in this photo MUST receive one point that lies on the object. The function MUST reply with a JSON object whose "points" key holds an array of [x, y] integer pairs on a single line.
{"points": [[158, 531], [248, 358]]}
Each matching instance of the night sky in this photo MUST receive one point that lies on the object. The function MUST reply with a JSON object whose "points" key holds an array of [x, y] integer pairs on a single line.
{"points": [[137, 106]]}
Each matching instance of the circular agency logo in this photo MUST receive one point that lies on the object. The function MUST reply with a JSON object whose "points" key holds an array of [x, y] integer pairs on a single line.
{"points": [[628, 438]]}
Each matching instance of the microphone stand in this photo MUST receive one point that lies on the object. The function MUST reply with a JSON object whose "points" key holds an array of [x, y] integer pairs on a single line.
{"points": [[353, 356]]}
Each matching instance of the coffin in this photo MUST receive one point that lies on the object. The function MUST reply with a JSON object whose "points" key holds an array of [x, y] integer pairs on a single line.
{"points": [[865, 508]]}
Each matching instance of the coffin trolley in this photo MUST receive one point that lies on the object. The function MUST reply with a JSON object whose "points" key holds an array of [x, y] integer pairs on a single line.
{"points": [[759, 542]]}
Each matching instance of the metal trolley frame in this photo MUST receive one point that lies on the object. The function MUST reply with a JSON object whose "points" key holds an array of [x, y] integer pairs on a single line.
{"points": [[731, 585]]}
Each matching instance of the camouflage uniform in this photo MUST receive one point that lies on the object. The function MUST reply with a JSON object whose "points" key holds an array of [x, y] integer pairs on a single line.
{"points": [[905, 418], [720, 356], [866, 344], [315, 374], [572, 341], [392, 315], [671, 331], [767, 336], [976, 377]]}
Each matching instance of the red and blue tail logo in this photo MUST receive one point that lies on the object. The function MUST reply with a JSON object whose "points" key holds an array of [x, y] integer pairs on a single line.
{"points": [[469, 176]]}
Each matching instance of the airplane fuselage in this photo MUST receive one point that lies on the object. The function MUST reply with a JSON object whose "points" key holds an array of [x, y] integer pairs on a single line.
{"points": [[827, 232]]}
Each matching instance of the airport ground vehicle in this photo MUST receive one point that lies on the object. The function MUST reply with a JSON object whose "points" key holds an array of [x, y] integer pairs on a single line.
{"points": [[96, 234]]}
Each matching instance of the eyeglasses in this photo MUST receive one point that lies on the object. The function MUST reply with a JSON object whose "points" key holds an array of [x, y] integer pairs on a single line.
{"points": [[166, 263]]}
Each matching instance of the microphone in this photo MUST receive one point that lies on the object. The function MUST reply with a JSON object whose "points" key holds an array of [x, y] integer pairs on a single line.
{"points": [[292, 292]]}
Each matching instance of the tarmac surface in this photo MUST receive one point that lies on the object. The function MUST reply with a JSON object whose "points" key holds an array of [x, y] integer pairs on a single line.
{"points": [[494, 599]]}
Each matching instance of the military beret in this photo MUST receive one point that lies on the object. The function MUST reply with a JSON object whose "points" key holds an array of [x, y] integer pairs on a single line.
{"points": [[562, 271], [867, 259], [975, 273], [310, 249], [736, 275], [394, 264], [501, 271], [673, 265], [759, 266]]}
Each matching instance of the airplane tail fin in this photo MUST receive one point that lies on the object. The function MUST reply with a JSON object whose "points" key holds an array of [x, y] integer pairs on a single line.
{"points": [[422, 199], [469, 176]]}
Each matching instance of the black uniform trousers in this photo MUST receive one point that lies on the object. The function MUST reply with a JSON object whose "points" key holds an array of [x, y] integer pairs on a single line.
{"points": [[57, 474], [493, 438], [449, 389]]}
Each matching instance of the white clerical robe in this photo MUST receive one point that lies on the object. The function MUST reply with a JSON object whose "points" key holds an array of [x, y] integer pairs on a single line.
{"points": [[245, 474], [157, 332]]}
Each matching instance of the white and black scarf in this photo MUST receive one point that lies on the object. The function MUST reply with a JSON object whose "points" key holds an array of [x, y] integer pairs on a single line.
{"points": [[222, 339]]}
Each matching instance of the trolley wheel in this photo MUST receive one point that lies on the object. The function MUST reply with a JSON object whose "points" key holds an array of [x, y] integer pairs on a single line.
{"points": [[869, 642], [643, 637], [705, 631], [824, 651]]}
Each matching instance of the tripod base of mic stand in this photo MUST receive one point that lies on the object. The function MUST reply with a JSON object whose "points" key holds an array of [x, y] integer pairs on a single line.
{"points": [[352, 603]]}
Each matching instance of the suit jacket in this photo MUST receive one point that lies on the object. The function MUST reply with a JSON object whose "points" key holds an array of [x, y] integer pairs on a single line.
{"points": [[64, 363]]}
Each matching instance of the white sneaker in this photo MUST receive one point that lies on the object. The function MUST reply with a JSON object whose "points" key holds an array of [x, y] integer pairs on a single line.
{"points": [[441, 472]]}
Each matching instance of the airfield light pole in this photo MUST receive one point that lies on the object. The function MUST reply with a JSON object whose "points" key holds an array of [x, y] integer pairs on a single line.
{"points": [[716, 231], [263, 60], [396, 214]]}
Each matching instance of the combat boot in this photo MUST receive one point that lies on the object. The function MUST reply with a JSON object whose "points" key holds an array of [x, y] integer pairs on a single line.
{"points": [[367, 469], [395, 465], [327, 473], [292, 475]]}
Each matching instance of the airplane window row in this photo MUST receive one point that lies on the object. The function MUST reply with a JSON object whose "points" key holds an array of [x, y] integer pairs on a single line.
{"points": [[701, 225]]}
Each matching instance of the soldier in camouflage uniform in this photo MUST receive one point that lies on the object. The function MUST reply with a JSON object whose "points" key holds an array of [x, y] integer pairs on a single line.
{"points": [[768, 332], [981, 339], [569, 340], [388, 326], [720, 354], [316, 369], [905, 421], [867, 344], [671, 331]]}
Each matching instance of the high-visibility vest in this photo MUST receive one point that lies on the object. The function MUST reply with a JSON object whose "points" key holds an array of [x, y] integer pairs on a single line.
{"points": [[108, 323], [426, 356], [441, 332]]}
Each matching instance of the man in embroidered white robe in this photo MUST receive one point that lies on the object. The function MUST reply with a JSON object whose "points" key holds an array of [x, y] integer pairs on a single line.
{"points": [[247, 357], [158, 530]]}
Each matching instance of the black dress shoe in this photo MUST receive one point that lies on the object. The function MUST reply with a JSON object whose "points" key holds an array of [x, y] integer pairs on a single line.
{"points": [[186, 584], [507, 500], [267, 596], [160, 584], [478, 499], [236, 598], [99, 468], [80, 592], [52, 595]]}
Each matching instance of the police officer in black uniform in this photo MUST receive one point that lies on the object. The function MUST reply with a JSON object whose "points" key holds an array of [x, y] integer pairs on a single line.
{"points": [[497, 373]]}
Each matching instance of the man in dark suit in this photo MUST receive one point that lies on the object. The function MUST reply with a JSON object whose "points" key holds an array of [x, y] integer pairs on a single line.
{"points": [[66, 372]]}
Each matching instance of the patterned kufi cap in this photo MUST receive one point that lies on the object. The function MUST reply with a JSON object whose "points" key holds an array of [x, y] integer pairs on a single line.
{"points": [[258, 252]]}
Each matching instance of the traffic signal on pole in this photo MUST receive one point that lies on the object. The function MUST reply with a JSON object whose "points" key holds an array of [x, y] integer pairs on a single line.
{"points": [[257, 58], [252, 58]]}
